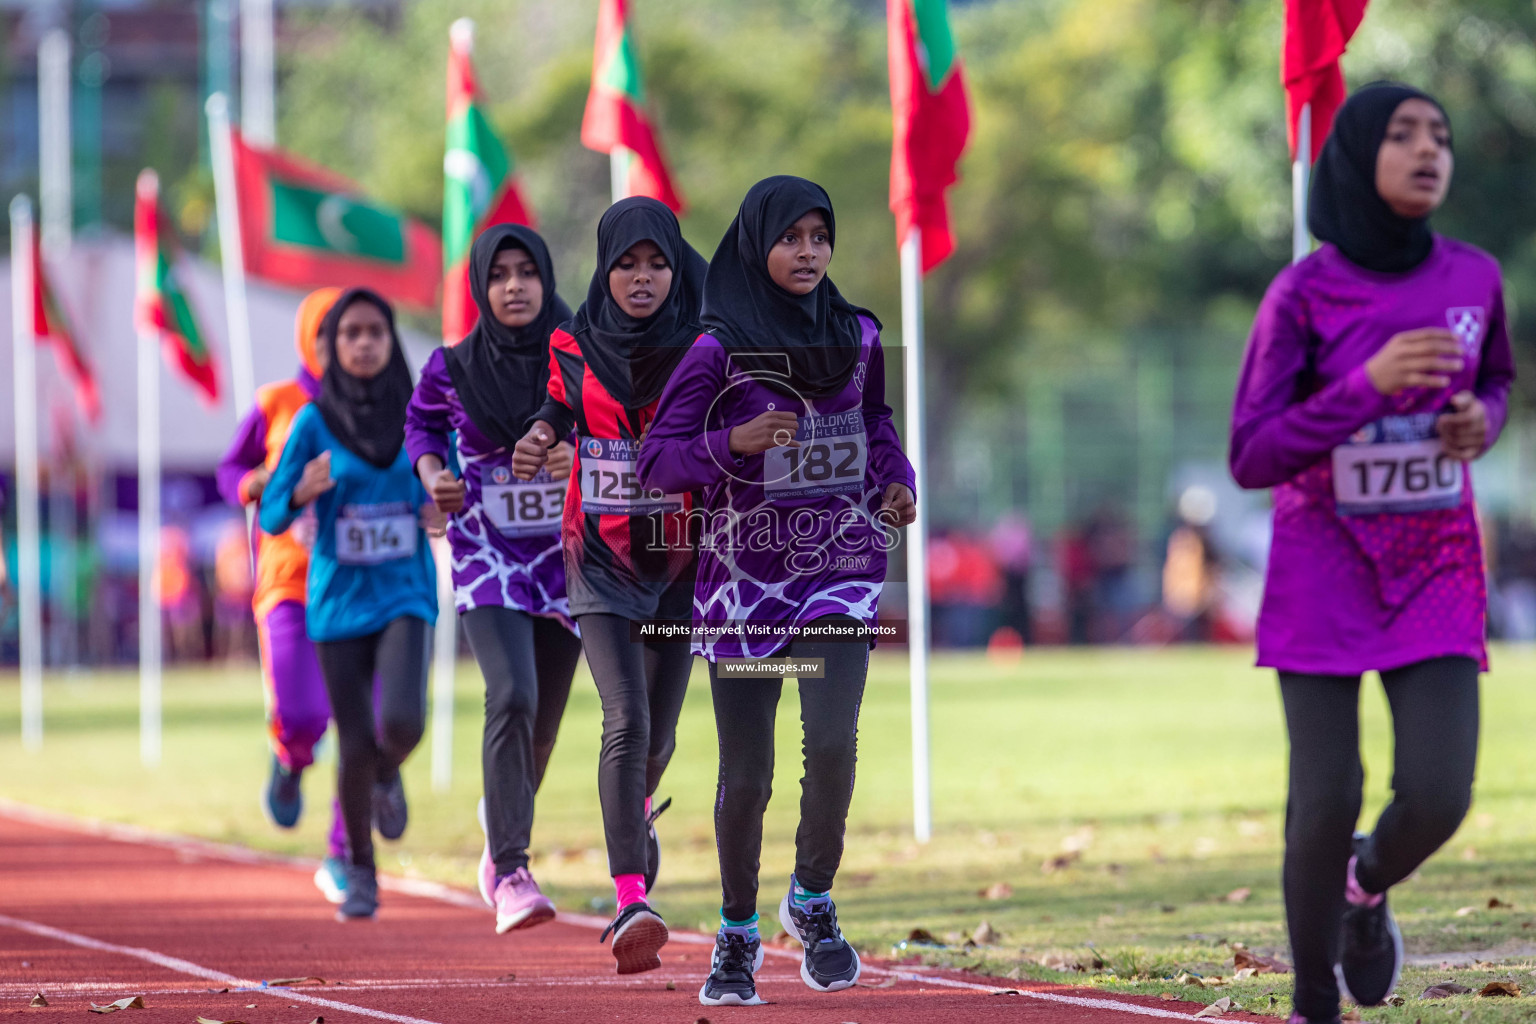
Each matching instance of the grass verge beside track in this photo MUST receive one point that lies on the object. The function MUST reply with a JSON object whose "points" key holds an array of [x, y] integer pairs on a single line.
{"points": [[1102, 811]]}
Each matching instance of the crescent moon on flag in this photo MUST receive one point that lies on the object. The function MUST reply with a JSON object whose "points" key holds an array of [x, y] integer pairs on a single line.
{"points": [[467, 169], [330, 218]]}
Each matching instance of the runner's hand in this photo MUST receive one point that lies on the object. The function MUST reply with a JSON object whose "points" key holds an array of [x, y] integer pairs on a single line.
{"points": [[433, 519], [257, 483], [446, 491], [774, 429], [1464, 430], [560, 458], [898, 506], [1423, 358], [530, 453], [315, 481]]}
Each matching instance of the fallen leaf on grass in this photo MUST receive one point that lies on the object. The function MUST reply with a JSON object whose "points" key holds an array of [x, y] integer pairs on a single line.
{"points": [[295, 982], [1500, 988], [1396, 1000], [1167, 995], [996, 891], [1243, 973], [1353, 1016], [1495, 904], [1060, 862], [38, 1000], [1217, 1008], [1239, 895], [1444, 990], [130, 1003], [1053, 962], [1465, 911], [1185, 978], [1242, 959], [984, 935], [921, 935]]}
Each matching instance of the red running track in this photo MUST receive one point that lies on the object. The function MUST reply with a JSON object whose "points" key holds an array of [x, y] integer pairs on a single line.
{"points": [[94, 913]]}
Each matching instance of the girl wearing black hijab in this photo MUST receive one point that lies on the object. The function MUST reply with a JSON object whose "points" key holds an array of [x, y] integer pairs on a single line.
{"points": [[372, 597], [778, 416], [1377, 368], [627, 549], [508, 572]]}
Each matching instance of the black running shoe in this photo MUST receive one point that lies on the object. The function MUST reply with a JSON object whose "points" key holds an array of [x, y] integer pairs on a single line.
{"points": [[362, 899], [830, 964], [390, 813], [1370, 949], [653, 845], [638, 935], [282, 800], [731, 967]]}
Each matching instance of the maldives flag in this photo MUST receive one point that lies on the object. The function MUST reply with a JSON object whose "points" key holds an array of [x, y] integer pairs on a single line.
{"points": [[306, 226], [160, 307], [615, 116], [1316, 33], [479, 183], [50, 325], [932, 122]]}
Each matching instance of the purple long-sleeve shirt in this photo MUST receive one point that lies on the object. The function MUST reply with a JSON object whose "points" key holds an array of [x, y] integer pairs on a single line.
{"points": [[788, 536], [1379, 564], [506, 539]]}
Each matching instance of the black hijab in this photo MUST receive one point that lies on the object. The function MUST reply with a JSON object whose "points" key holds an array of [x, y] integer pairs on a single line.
{"points": [[1344, 207], [501, 372], [765, 328], [633, 359], [367, 415]]}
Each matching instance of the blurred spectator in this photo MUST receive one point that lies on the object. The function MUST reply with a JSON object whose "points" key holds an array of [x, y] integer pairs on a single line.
{"points": [[180, 600], [234, 630], [1191, 568], [1074, 564], [964, 587], [1112, 556], [1013, 551]]}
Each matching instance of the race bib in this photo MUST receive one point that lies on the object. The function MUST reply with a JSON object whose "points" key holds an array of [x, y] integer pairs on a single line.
{"points": [[522, 508], [609, 482], [371, 534], [1395, 465], [831, 459]]}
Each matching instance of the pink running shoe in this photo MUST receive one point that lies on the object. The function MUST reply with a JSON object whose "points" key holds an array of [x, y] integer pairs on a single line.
{"points": [[487, 873], [520, 904]]}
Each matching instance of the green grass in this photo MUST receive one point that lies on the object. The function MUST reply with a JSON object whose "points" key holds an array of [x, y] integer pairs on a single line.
{"points": [[1154, 778]]}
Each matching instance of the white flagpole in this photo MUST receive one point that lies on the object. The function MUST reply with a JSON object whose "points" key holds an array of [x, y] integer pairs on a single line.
{"points": [[258, 77], [917, 532], [29, 575], [1301, 238], [150, 626], [445, 657], [55, 192], [618, 172], [242, 369]]}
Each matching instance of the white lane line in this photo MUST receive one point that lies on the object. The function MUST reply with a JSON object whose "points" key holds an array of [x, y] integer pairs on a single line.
{"points": [[471, 901], [198, 971]]}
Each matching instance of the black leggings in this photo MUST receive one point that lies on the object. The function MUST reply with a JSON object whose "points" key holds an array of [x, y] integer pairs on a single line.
{"points": [[1434, 725], [398, 654], [642, 686], [527, 662], [744, 718]]}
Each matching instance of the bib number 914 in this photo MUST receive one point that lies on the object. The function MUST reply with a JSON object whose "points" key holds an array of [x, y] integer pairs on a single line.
{"points": [[369, 541]]}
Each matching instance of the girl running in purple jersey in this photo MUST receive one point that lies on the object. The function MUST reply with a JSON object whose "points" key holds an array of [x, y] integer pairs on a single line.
{"points": [[508, 572], [1377, 368], [778, 415]]}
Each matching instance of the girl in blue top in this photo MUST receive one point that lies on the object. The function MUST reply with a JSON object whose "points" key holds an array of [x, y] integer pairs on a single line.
{"points": [[372, 591]]}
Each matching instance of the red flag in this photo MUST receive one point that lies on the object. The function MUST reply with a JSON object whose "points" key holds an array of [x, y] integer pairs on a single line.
{"points": [[50, 325], [161, 308], [615, 115], [1316, 33], [306, 226], [480, 186], [932, 122]]}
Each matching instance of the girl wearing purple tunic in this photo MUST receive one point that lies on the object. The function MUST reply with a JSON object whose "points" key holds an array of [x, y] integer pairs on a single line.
{"points": [[508, 573], [778, 415], [1377, 368]]}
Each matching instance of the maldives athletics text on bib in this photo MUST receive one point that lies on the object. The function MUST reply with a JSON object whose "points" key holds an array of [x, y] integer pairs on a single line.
{"points": [[370, 534], [832, 458], [521, 508], [610, 482], [1395, 465]]}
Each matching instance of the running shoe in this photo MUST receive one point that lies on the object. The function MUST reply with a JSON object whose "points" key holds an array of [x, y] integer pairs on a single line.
{"points": [[282, 801], [331, 879], [485, 877], [362, 899], [731, 967], [389, 811], [520, 904], [830, 963], [1370, 947], [638, 935], [653, 844]]}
